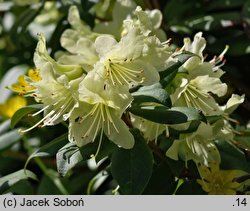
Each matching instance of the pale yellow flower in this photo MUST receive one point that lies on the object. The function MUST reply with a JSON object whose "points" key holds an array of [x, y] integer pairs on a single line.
{"points": [[23, 86]]}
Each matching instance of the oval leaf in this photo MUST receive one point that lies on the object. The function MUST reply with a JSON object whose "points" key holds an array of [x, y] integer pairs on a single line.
{"points": [[164, 115], [7, 181], [49, 149], [132, 168], [23, 112], [153, 93], [9, 138]]}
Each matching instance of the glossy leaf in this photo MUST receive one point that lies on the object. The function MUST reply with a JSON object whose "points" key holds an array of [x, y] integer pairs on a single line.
{"points": [[164, 115], [23, 112], [9, 138], [49, 149], [190, 188], [162, 181], [7, 181], [151, 94], [23, 187], [4, 126], [169, 74], [51, 183], [232, 157], [132, 168]]}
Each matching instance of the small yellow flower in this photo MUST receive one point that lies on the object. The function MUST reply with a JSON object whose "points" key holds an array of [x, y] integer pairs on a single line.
{"points": [[218, 182], [34, 75], [23, 86], [12, 105]]}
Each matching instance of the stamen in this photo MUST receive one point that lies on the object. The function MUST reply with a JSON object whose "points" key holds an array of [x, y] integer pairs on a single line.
{"points": [[117, 79], [231, 119], [90, 113], [110, 118], [93, 123], [187, 100], [111, 77], [100, 143], [98, 124], [38, 123], [102, 113]]}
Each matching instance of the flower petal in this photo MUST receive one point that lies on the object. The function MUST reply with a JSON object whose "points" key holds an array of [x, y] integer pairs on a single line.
{"points": [[233, 103], [104, 44], [83, 132], [210, 84], [119, 134]]}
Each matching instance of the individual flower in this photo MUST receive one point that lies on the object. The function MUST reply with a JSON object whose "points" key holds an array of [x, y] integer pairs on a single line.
{"points": [[58, 88], [13, 104], [121, 10], [135, 59], [148, 21], [224, 128], [126, 62], [79, 43], [23, 86], [100, 110], [215, 181], [199, 80], [59, 97], [42, 60], [233, 103], [198, 146], [196, 93]]}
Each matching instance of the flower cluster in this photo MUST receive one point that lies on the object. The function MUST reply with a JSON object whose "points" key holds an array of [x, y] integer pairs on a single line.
{"points": [[89, 83]]}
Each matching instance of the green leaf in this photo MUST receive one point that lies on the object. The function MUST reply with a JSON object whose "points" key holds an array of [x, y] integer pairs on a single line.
{"points": [[70, 155], [51, 183], [22, 187], [132, 168], [49, 149], [190, 188], [23, 112], [162, 181], [232, 157], [7, 181], [243, 140], [164, 115], [9, 138], [67, 158], [96, 182], [167, 77], [153, 93], [4, 126], [169, 74]]}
